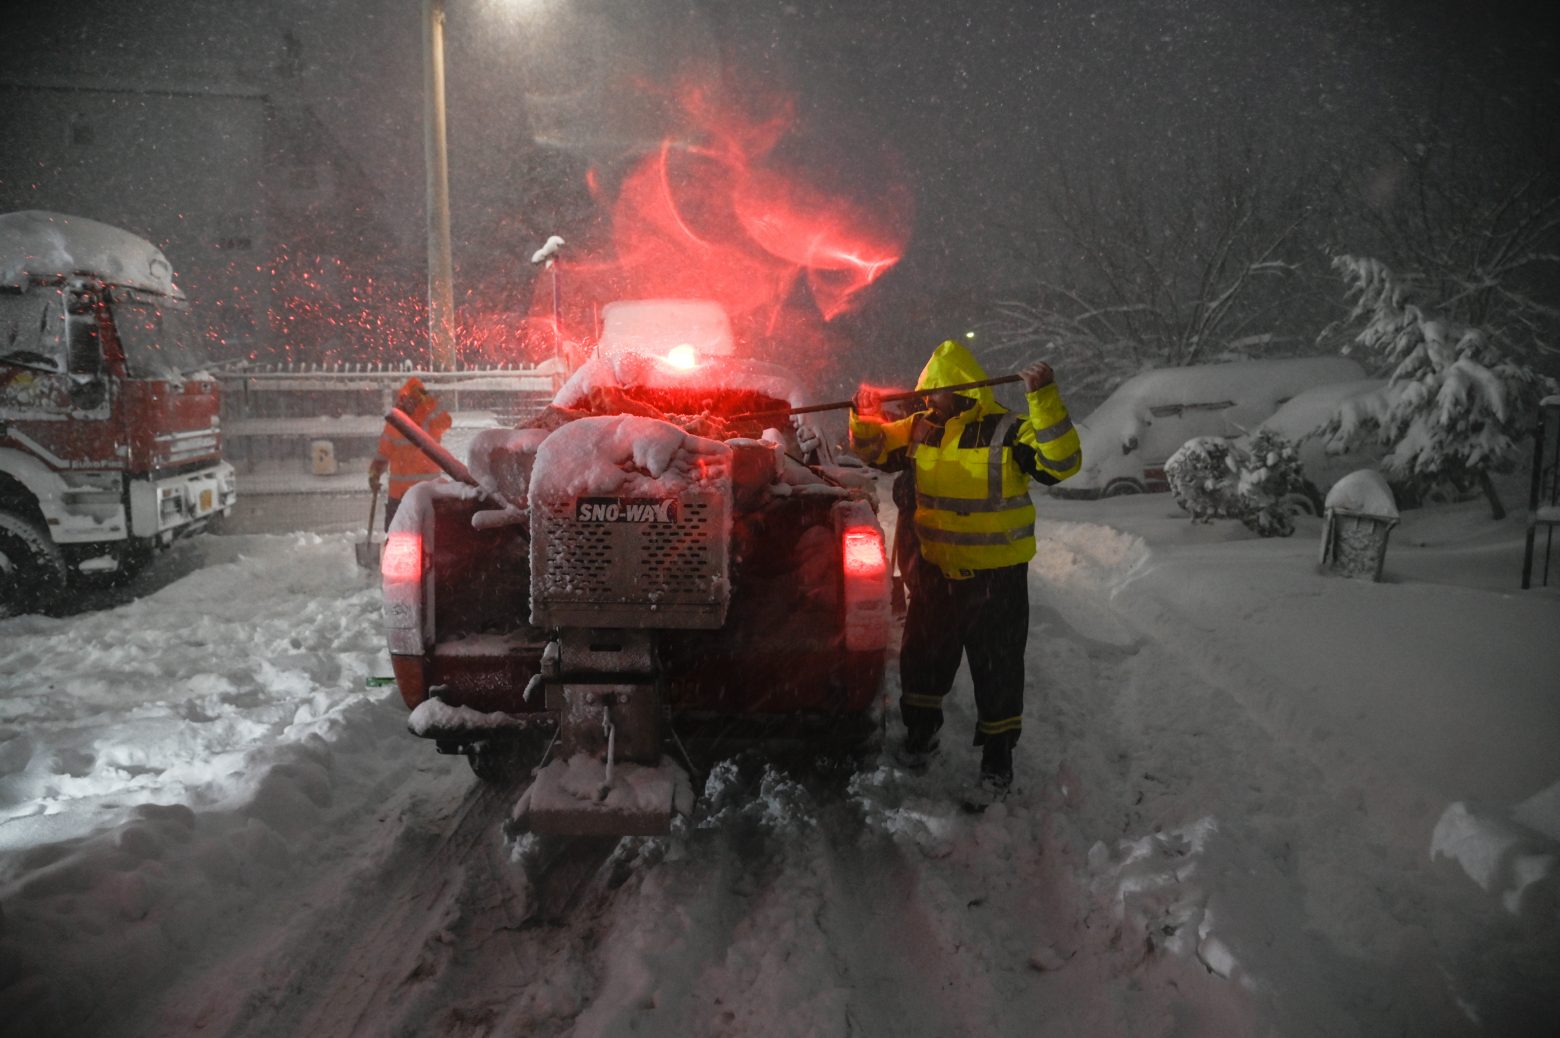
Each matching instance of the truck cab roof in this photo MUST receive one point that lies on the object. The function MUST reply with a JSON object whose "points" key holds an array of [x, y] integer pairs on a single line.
{"points": [[36, 245]]}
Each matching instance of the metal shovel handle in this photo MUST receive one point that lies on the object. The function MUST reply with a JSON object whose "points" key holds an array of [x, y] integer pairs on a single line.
{"points": [[453, 466], [910, 394]]}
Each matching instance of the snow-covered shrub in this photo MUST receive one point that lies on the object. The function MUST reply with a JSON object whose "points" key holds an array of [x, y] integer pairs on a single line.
{"points": [[1254, 482], [1456, 407], [1199, 477]]}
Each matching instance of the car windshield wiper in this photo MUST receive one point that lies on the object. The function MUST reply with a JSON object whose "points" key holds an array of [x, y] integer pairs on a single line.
{"points": [[32, 360]]}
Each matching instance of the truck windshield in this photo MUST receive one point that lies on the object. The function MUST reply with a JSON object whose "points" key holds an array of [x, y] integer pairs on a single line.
{"points": [[160, 338]]}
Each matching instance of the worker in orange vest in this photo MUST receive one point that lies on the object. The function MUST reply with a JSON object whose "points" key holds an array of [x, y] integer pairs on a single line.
{"points": [[407, 464]]}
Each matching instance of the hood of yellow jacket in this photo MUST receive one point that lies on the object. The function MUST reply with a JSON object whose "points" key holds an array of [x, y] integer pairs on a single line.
{"points": [[952, 364]]}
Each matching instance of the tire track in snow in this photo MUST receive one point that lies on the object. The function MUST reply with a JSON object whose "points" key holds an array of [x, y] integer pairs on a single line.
{"points": [[397, 940]]}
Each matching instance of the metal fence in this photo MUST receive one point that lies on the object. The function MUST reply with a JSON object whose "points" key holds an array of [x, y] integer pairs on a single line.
{"points": [[301, 438]]}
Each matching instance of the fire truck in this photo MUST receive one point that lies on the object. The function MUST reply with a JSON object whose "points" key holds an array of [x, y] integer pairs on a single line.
{"points": [[110, 439], [648, 576]]}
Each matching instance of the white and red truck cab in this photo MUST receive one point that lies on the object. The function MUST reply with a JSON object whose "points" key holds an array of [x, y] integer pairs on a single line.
{"points": [[110, 437]]}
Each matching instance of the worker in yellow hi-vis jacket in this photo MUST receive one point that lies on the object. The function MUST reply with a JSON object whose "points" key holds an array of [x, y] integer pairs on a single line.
{"points": [[973, 460]]}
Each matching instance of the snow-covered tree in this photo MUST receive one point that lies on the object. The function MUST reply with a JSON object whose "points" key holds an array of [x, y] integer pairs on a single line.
{"points": [[1142, 269], [1456, 407], [1467, 196], [1255, 482]]}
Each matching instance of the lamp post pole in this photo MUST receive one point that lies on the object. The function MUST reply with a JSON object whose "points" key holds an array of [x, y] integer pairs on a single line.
{"points": [[441, 276]]}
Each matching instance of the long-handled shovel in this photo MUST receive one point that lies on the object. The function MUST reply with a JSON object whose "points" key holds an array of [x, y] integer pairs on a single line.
{"points": [[368, 549], [887, 398]]}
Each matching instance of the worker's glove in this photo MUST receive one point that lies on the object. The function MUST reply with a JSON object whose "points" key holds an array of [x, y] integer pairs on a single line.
{"points": [[808, 439], [868, 402], [1037, 376]]}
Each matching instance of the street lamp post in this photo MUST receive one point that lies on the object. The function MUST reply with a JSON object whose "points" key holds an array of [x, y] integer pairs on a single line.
{"points": [[441, 276]]}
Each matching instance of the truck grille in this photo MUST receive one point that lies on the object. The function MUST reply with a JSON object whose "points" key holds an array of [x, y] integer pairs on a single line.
{"points": [[632, 574], [182, 446]]}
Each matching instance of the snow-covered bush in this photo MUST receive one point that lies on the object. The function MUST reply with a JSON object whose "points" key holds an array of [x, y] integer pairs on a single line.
{"points": [[1199, 477], [1255, 482], [1456, 407]]}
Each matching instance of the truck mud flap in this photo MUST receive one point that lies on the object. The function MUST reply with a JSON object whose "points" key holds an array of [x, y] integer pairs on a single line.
{"points": [[579, 797]]}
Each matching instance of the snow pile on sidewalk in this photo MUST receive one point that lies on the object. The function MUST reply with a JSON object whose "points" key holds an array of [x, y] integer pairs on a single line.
{"points": [[165, 765], [1432, 688]]}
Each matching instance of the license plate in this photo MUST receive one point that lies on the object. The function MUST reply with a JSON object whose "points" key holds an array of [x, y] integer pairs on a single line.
{"points": [[206, 500]]}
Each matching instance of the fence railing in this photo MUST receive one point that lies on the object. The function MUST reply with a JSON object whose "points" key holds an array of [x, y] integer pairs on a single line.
{"points": [[301, 437], [1544, 496]]}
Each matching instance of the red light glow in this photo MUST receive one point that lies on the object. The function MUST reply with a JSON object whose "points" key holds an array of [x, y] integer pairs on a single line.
{"points": [[865, 557], [402, 559], [743, 206], [683, 357]]}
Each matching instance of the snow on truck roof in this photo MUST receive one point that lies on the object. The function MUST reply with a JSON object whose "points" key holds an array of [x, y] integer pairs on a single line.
{"points": [[38, 244]]}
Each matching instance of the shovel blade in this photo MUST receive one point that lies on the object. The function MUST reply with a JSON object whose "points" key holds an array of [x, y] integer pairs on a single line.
{"points": [[367, 554]]}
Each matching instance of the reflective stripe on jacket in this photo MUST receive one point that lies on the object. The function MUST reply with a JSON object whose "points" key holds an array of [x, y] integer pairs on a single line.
{"points": [[408, 464], [973, 510]]}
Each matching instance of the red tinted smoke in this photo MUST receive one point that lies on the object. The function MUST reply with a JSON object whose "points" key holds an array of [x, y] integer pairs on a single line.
{"points": [[743, 210]]}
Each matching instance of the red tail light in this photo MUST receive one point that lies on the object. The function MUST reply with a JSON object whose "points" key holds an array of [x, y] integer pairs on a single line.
{"points": [[402, 559], [864, 552]]}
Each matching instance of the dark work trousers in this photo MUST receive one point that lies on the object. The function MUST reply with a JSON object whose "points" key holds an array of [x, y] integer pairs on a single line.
{"points": [[392, 505], [984, 618]]}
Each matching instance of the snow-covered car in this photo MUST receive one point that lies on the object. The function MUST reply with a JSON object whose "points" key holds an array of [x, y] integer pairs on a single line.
{"points": [[1303, 421], [648, 568], [1128, 438]]}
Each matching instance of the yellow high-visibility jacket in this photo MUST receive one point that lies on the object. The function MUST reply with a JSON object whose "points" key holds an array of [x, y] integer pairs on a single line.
{"points": [[973, 510]]}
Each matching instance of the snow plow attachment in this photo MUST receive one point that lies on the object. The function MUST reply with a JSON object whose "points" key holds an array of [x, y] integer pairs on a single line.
{"points": [[609, 777], [581, 796]]}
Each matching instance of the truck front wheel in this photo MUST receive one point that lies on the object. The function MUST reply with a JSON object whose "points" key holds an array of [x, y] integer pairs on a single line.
{"points": [[32, 569]]}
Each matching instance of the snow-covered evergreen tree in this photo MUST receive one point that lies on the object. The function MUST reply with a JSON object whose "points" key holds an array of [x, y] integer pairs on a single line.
{"points": [[1455, 409]]}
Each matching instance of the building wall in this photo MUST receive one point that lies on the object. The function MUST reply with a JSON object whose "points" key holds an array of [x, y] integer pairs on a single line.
{"points": [[181, 167]]}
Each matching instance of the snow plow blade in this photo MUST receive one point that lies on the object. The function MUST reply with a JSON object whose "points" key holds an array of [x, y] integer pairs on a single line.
{"points": [[576, 797]]}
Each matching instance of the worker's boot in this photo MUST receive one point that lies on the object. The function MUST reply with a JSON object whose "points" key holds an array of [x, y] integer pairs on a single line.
{"points": [[918, 748], [996, 764]]}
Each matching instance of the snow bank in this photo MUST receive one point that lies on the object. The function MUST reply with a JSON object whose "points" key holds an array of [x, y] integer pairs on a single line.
{"points": [[166, 765], [1501, 857]]}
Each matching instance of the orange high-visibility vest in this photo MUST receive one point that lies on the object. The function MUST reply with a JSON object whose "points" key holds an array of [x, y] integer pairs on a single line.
{"points": [[409, 465]]}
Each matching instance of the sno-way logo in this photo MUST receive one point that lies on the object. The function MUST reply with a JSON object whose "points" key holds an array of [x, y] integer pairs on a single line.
{"points": [[625, 510]]}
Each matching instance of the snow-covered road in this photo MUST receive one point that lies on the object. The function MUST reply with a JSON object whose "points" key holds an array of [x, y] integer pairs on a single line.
{"points": [[213, 826]]}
